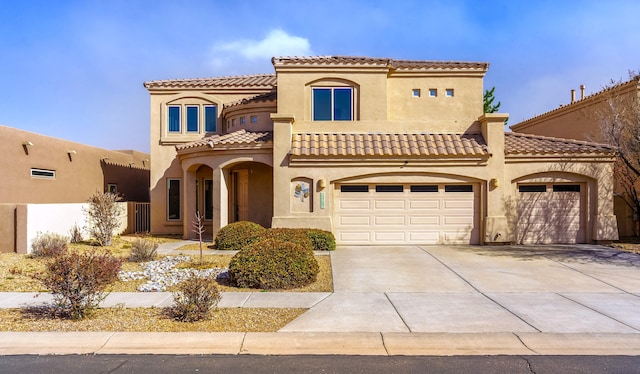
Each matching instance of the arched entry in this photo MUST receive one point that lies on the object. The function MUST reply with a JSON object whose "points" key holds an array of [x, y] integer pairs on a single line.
{"points": [[250, 186]]}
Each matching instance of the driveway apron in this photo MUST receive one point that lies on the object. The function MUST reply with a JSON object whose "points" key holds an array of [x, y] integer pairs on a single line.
{"points": [[478, 289]]}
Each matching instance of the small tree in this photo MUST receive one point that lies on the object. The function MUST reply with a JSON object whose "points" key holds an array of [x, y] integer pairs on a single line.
{"points": [[198, 228], [619, 121], [488, 99], [103, 216]]}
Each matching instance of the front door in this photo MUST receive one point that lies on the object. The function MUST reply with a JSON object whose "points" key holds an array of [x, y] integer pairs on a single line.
{"points": [[242, 195]]}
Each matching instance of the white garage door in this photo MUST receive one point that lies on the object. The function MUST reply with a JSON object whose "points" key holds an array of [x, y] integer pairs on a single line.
{"points": [[550, 213], [408, 213]]}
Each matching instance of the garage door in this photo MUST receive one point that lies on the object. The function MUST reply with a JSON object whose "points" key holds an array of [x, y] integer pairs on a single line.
{"points": [[407, 213], [550, 213]]}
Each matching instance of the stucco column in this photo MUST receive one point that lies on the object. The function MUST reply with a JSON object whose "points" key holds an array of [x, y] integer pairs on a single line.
{"points": [[282, 130], [496, 227], [189, 204], [220, 201], [605, 223]]}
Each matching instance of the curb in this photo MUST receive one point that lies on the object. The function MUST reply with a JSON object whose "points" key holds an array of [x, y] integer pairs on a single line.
{"points": [[355, 343]]}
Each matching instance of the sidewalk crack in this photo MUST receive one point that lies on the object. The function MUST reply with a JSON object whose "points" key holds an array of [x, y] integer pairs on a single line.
{"points": [[524, 344], [384, 344], [105, 343]]}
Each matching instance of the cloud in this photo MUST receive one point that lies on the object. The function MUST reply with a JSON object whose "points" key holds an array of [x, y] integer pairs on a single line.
{"points": [[276, 43]]}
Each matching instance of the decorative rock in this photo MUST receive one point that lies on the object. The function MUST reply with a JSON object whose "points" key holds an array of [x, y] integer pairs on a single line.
{"points": [[162, 273]]}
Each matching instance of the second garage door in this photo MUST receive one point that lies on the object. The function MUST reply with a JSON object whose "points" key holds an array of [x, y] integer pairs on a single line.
{"points": [[550, 213], [407, 214]]}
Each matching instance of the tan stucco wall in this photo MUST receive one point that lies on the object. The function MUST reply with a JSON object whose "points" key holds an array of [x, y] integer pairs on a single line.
{"points": [[77, 175], [165, 162], [8, 227]]}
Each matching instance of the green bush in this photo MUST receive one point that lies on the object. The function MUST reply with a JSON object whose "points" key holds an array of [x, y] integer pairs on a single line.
{"points": [[143, 250], [322, 240], [235, 236], [48, 244], [77, 280], [297, 236], [273, 264], [195, 298]]}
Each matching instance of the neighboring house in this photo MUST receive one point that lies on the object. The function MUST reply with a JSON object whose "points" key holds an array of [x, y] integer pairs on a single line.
{"points": [[45, 180], [42, 169], [377, 150], [579, 120]]}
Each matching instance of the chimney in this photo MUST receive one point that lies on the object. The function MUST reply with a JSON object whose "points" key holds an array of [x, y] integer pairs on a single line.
{"points": [[581, 91], [573, 96]]}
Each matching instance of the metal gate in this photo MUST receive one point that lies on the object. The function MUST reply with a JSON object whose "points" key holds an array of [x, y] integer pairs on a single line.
{"points": [[142, 217]]}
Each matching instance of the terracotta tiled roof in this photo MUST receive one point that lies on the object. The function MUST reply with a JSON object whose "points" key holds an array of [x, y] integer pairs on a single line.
{"points": [[377, 144], [525, 144], [383, 62], [265, 81], [240, 138], [270, 96]]}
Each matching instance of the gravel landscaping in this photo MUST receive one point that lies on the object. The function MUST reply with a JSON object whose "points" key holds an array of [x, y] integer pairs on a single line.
{"points": [[149, 320]]}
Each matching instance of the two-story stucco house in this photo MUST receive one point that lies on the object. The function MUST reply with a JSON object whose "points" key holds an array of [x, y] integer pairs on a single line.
{"points": [[376, 150]]}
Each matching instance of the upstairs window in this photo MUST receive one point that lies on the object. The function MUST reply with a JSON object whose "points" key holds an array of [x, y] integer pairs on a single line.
{"points": [[210, 118], [192, 119], [449, 92], [174, 118], [332, 104]]}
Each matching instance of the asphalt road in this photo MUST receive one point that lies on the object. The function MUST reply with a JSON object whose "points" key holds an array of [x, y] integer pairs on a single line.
{"points": [[317, 364]]}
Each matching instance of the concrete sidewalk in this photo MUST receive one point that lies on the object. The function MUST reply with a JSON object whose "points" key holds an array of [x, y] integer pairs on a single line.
{"points": [[414, 300]]}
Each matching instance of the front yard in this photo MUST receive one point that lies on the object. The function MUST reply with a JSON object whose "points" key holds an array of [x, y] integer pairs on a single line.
{"points": [[17, 270]]}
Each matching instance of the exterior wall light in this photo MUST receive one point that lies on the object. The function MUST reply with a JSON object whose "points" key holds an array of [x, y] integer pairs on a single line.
{"points": [[494, 183], [322, 184], [71, 152]]}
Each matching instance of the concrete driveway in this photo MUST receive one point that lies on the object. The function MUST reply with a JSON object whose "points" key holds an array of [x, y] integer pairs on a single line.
{"points": [[465, 289]]}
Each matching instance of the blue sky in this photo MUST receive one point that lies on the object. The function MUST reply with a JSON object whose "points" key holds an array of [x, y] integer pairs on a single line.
{"points": [[75, 69]]}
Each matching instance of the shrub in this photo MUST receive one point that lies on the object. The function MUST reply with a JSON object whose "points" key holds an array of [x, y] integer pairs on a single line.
{"points": [[195, 298], [273, 264], [235, 236], [77, 280], [322, 240], [298, 236], [48, 244], [143, 250], [75, 234], [103, 216]]}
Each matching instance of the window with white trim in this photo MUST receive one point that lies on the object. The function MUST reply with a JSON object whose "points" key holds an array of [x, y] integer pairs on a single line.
{"points": [[173, 199], [449, 92], [174, 118], [210, 118], [332, 103], [193, 124], [43, 173]]}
